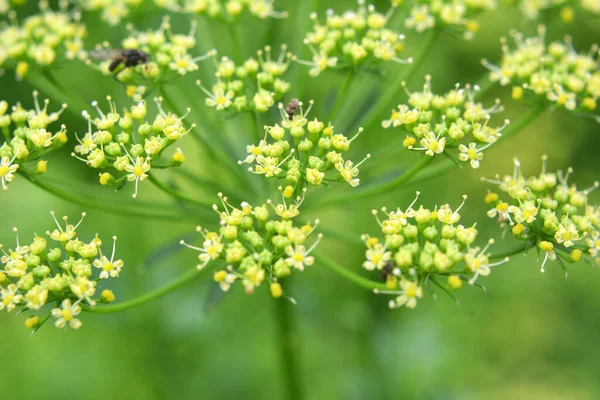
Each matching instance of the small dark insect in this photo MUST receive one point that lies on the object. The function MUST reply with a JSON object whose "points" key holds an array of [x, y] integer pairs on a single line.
{"points": [[291, 108], [128, 57], [387, 270]]}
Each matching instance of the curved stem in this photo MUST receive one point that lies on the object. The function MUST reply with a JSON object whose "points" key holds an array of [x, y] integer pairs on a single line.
{"points": [[287, 338], [348, 274], [177, 195], [183, 280], [341, 95], [384, 101], [105, 206], [41, 82], [375, 190]]}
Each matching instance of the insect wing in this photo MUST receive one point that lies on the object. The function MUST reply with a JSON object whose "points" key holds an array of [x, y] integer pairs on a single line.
{"points": [[105, 54]]}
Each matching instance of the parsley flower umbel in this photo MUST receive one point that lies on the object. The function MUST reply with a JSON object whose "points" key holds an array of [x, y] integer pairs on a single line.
{"points": [[437, 124], [27, 138], [257, 243], [224, 10], [354, 38], [128, 143], [169, 54], [256, 84], [421, 247], [303, 152], [555, 73], [42, 39], [456, 16], [547, 212], [40, 274]]}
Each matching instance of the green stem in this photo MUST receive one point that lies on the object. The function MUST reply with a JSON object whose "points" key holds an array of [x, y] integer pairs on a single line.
{"points": [[106, 206], [183, 280], [41, 82], [341, 95], [348, 274], [286, 339], [384, 101], [375, 190], [177, 195]]}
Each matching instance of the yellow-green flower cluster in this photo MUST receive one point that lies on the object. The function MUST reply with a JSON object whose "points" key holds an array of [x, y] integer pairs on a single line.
{"points": [[302, 151], [454, 120], [41, 39], [555, 72], [7, 5], [112, 11], [61, 271], [26, 137], [458, 16], [169, 54], [129, 144], [257, 243], [421, 247], [568, 8], [227, 10], [354, 38], [548, 212], [254, 85]]}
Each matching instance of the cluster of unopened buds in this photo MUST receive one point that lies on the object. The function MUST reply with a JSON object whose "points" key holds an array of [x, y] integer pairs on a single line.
{"points": [[254, 85], [302, 151], [26, 137], [257, 243], [65, 275], [42, 39], [354, 38], [531, 9], [129, 144], [454, 120], [422, 247], [458, 16], [547, 212], [556, 72], [165, 54], [226, 10]]}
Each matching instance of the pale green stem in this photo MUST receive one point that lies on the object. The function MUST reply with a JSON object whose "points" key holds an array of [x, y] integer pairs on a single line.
{"points": [[382, 104], [348, 274], [287, 338], [42, 83], [179, 196], [183, 280], [106, 206], [341, 95]]}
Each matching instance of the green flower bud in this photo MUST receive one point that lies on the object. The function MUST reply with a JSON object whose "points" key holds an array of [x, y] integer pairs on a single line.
{"points": [[281, 269], [55, 254], [281, 241]]}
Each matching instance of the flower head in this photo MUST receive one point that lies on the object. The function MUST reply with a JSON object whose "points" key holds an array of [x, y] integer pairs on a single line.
{"points": [[128, 143], [421, 246], [36, 274], [439, 123], [354, 38], [257, 244], [548, 212], [303, 152], [555, 73]]}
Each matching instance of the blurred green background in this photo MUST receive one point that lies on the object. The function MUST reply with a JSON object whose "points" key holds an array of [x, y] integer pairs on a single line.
{"points": [[532, 336]]}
